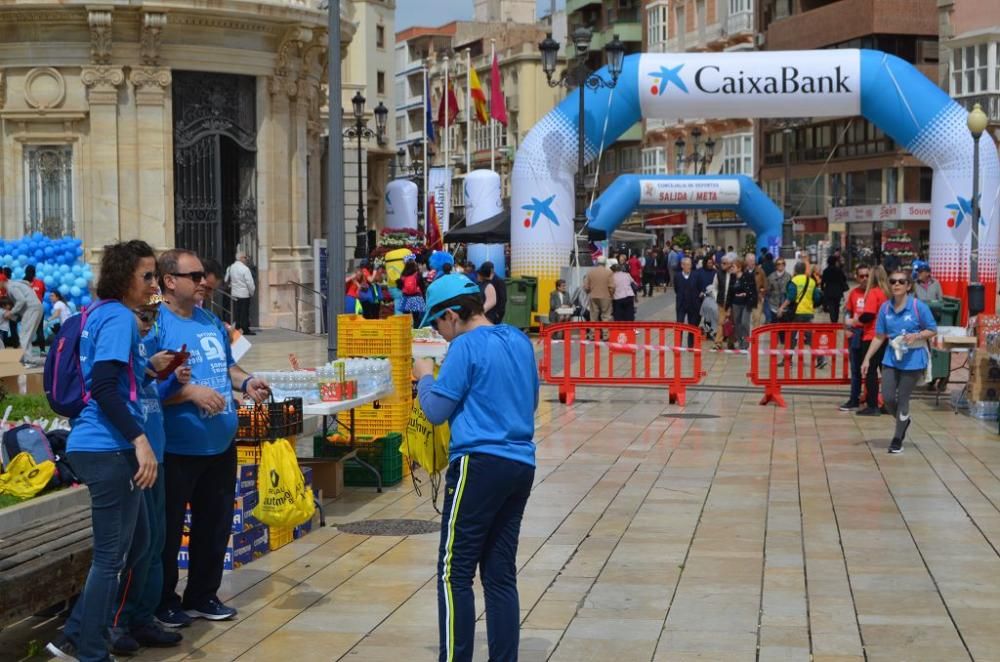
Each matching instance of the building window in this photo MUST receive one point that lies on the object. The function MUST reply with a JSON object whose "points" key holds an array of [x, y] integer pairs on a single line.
{"points": [[380, 82], [737, 154], [401, 127], [628, 159], [807, 196], [702, 18], [680, 27], [654, 161], [379, 36], [970, 69], [48, 190], [609, 162], [656, 26]]}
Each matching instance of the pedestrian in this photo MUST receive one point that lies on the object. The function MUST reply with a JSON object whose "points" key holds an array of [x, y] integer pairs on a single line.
{"points": [[635, 267], [412, 288], [598, 285], [6, 305], [38, 286], [487, 389], [907, 325], [855, 329], [623, 299], [777, 285], [241, 288], [494, 293], [834, 283], [801, 298], [767, 263], [760, 282], [28, 312], [674, 262], [689, 291], [725, 283], [927, 288], [107, 446], [200, 454], [60, 311], [649, 273], [742, 302], [876, 294], [662, 274], [560, 306]]}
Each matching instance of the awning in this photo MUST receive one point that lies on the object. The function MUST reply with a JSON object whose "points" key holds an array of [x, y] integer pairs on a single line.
{"points": [[665, 220], [627, 236], [494, 230]]}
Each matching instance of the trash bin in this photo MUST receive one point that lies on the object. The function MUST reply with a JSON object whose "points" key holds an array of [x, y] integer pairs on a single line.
{"points": [[521, 301], [947, 312]]}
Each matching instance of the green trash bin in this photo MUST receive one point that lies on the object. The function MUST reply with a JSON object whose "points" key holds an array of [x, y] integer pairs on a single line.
{"points": [[947, 312], [521, 301]]}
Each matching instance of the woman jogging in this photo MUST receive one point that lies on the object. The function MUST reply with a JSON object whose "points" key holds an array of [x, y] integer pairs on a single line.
{"points": [[487, 390], [877, 293], [906, 324]]}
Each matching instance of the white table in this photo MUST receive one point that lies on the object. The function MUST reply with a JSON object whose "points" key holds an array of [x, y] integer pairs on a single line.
{"points": [[430, 350], [328, 409]]}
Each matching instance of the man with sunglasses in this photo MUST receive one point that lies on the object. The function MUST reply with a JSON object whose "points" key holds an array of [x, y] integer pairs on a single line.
{"points": [[200, 458], [855, 327]]}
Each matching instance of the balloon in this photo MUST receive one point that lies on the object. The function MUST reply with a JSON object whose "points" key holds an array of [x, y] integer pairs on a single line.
{"points": [[64, 268], [50, 282], [81, 283], [49, 251], [75, 292], [64, 290], [85, 300]]}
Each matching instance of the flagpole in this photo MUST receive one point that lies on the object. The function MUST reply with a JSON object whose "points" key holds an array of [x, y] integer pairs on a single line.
{"points": [[468, 110], [426, 165], [493, 126], [447, 112]]}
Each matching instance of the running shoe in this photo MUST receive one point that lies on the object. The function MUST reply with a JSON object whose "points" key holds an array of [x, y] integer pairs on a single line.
{"points": [[152, 635], [869, 411], [172, 618], [850, 405], [896, 446], [213, 610], [62, 648], [123, 643]]}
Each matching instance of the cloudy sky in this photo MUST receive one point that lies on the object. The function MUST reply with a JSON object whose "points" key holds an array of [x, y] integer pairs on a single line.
{"points": [[439, 12]]}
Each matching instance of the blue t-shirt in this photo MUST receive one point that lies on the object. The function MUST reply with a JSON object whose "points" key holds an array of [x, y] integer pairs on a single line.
{"points": [[490, 372], [188, 430], [915, 316], [110, 334]]}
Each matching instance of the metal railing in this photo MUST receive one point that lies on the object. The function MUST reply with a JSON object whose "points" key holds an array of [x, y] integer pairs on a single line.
{"points": [[225, 310], [299, 287], [739, 22]]}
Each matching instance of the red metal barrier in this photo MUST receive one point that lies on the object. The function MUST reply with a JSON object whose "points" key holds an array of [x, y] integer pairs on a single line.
{"points": [[790, 354], [653, 352]]}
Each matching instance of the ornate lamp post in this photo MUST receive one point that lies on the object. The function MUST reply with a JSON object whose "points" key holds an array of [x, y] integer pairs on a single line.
{"points": [[360, 131], [700, 161], [977, 122], [579, 75]]}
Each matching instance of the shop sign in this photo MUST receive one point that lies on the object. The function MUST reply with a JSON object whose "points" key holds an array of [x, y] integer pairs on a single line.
{"points": [[665, 220], [687, 192], [723, 218], [903, 211]]}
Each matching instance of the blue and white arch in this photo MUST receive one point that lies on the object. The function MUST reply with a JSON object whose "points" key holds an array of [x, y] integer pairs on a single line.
{"points": [[736, 192], [888, 91]]}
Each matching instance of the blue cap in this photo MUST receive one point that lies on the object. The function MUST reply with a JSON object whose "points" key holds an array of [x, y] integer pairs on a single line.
{"points": [[443, 290]]}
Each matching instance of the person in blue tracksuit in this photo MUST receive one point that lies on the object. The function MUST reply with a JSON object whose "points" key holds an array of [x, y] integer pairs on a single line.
{"points": [[487, 389]]}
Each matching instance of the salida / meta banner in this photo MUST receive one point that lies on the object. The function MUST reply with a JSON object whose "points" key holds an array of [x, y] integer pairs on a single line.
{"points": [[693, 192], [821, 83]]}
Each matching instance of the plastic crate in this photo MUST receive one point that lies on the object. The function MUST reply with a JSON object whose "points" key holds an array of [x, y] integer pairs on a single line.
{"points": [[269, 420], [384, 455], [279, 536], [391, 337], [248, 454], [389, 417]]}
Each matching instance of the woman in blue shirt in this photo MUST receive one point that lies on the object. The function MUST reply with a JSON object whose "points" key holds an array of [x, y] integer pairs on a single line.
{"points": [[107, 446], [487, 389], [907, 324]]}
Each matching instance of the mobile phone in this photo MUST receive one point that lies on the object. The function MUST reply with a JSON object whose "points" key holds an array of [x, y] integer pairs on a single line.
{"points": [[179, 358]]}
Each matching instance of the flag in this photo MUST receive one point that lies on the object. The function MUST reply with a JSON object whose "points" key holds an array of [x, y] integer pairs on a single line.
{"points": [[452, 106], [427, 107], [498, 107], [434, 239], [478, 98]]}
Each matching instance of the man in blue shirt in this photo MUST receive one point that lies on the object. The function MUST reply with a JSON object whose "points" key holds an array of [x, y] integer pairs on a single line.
{"points": [[487, 389], [200, 458]]}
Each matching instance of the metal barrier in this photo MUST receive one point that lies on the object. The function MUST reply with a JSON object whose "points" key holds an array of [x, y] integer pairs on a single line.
{"points": [[798, 354], [646, 354]]}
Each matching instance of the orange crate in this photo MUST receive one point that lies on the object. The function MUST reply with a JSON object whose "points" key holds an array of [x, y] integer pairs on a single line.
{"points": [[391, 337]]}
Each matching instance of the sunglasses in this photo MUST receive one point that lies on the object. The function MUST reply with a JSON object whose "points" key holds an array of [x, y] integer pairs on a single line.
{"points": [[149, 276], [860, 276], [899, 281], [195, 276], [147, 315]]}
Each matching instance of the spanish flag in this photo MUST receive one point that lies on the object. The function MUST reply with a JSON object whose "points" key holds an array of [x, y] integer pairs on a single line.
{"points": [[478, 97]]}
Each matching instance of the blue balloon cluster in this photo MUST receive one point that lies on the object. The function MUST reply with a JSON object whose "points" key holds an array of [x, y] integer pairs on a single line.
{"points": [[58, 263]]}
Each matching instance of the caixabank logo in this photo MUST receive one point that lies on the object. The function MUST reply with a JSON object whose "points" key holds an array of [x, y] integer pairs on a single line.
{"points": [[787, 79], [539, 209]]}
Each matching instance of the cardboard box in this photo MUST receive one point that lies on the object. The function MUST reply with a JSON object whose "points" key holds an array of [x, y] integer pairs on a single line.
{"points": [[239, 551], [326, 476], [15, 377], [243, 519], [245, 472], [246, 485], [302, 529], [260, 541]]}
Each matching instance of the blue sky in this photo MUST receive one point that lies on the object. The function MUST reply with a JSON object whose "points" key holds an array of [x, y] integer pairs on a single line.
{"points": [[438, 12]]}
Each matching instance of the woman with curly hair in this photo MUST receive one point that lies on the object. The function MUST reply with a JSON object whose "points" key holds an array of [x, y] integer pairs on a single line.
{"points": [[107, 447]]}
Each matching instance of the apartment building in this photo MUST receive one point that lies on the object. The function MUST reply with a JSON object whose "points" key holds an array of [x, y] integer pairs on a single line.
{"points": [[694, 145], [843, 179], [969, 55]]}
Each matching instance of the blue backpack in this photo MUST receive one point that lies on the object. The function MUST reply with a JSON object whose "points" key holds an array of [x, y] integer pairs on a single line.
{"points": [[63, 378], [28, 439]]}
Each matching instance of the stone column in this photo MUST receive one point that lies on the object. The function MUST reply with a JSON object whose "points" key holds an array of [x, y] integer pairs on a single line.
{"points": [[154, 165], [102, 84], [300, 172]]}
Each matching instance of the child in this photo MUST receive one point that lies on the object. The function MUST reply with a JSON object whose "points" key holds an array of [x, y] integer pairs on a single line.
{"points": [[487, 390], [6, 304]]}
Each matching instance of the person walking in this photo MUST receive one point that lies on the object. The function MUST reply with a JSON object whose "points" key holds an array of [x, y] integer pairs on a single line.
{"points": [[801, 298], [28, 313], [599, 287], [487, 389], [635, 267], [876, 294], [662, 274], [107, 447], [725, 283], [649, 273], [760, 282], [927, 288], [623, 299], [689, 291], [743, 301], [242, 288], [494, 293], [907, 324], [200, 455], [777, 285], [834, 283], [412, 287], [855, 329]]}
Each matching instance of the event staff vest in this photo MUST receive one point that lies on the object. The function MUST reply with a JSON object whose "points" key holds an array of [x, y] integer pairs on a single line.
{"points": [[806, 305]]}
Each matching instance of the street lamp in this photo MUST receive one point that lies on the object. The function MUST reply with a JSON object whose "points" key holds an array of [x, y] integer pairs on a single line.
{"points": [[976, 122], [398, 164], [579, 75], [701, 162], [360, 131]]}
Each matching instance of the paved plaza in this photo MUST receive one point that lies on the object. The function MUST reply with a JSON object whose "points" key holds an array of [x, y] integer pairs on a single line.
{"points": [[721, 531]]}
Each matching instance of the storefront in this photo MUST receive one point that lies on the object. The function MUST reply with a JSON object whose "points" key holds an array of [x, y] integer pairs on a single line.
{"points": [[665, 225], [724, 227], [872, 231]]}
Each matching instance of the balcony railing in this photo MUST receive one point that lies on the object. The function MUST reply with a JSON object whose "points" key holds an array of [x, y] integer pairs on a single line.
{"points": [[989, 102], [739, 22]]}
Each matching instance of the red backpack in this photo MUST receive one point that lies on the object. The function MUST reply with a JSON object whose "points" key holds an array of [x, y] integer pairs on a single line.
{"points": [[411, 285]]}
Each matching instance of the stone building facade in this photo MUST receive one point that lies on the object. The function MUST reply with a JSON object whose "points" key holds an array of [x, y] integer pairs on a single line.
{"points": [[183, 124]]}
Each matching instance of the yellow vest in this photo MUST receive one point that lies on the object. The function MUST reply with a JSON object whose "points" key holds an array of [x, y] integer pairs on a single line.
{"points": [[805, 306]]}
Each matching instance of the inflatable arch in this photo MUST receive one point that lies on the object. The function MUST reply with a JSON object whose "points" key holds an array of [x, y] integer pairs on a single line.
{"points": [[888, 91], [737, 192]]}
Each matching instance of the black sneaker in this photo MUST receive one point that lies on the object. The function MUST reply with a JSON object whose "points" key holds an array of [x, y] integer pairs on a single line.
{"points": [[152, 635], [62, 648], [173, 618], [849, 406], [896, 446], [869, 411], [213, 610], [122, 643], [821, 363], [884, 410]]}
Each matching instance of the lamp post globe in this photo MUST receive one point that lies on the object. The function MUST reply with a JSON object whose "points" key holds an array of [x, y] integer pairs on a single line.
{"points": [[977, 122], [358, 102], [615, 50], [550, 52]]}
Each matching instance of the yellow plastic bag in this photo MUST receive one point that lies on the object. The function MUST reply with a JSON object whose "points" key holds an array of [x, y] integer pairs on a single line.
{"points": [[424, 443], [23, 478], [285, 499]]}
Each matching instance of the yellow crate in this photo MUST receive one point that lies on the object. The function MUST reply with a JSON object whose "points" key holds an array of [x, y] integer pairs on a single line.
{"points": [[391, 337], [279, 536], [248, 454]]}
